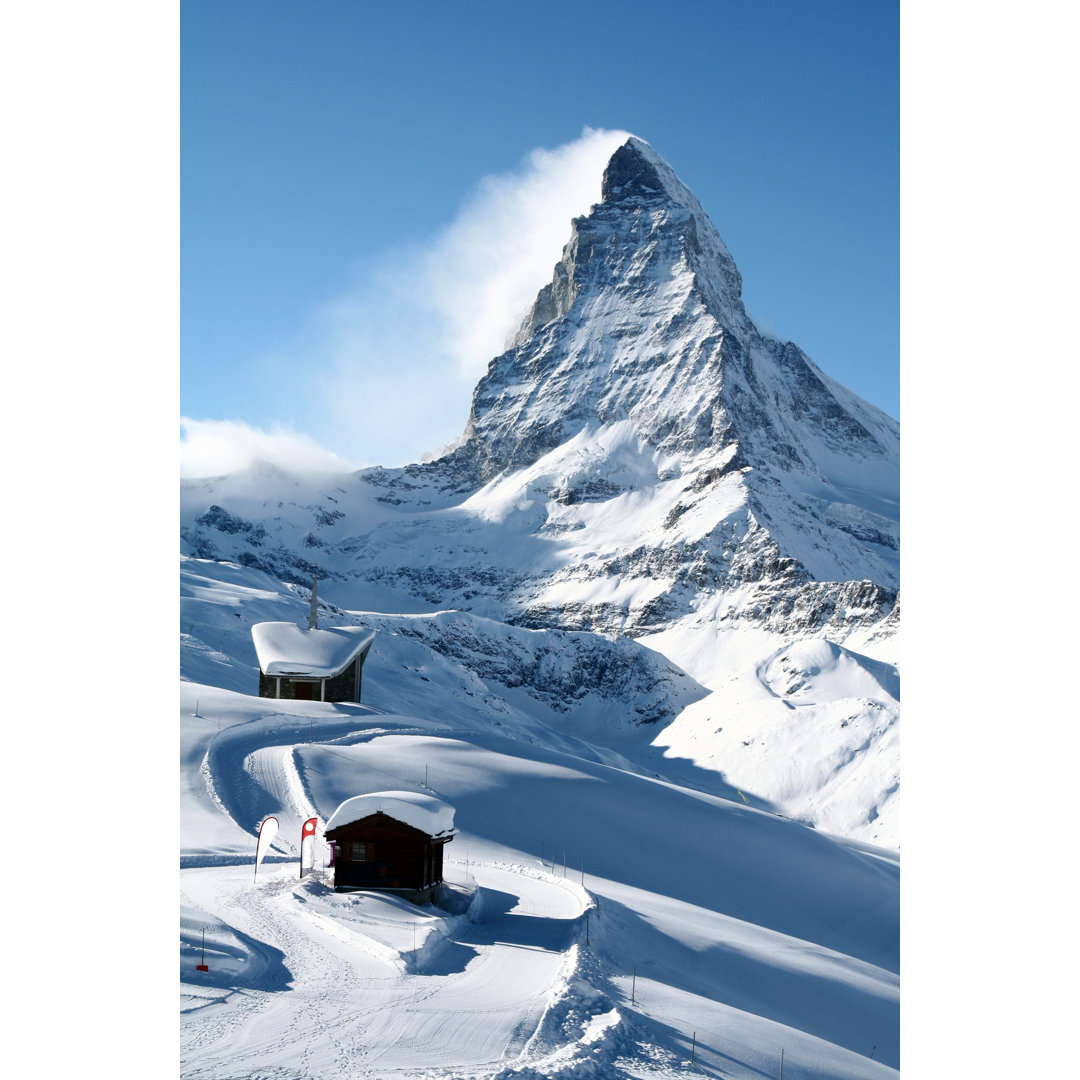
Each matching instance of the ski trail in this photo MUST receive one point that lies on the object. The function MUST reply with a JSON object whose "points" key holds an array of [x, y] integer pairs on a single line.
{"points": [[244, 785], [351, 1001]]}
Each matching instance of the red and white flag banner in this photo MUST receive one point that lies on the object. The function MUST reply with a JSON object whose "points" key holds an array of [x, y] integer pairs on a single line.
{"points": [[307, 846], [267, 832]]}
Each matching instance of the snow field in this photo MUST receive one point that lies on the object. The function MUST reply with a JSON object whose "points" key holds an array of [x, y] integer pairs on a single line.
{"points": [[695, 914]]}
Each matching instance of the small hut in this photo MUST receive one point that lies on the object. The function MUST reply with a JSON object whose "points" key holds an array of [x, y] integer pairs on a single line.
{"points": [[391, 841], [311, 664]]}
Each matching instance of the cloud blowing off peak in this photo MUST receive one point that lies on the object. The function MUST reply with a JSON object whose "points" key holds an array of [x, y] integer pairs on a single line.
{"points": [[489, 264], [384, 371], [421, 324]]}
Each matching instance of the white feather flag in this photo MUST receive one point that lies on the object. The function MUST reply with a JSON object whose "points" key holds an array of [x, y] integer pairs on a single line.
{"points": [[267, 832]]}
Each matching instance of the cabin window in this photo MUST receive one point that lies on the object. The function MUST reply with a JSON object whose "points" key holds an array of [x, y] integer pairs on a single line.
{"points": [[359, 852]]}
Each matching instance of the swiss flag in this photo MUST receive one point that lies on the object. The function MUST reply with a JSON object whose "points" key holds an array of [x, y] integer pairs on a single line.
{"points": [[307, 846]]}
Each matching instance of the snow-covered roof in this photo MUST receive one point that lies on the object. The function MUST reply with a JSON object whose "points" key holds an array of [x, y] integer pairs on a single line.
{"points": [[423, 812], [285, 648]]}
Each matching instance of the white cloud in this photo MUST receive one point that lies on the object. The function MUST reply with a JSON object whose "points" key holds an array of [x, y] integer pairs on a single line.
{"points": [[399, 354], [219, 447], [488, 265]]}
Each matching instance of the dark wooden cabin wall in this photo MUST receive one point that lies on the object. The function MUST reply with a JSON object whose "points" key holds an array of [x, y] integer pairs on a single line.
{"points": [[342, 687], [398, 856]]}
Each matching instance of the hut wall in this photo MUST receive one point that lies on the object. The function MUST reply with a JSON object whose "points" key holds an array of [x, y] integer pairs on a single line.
{"points": [[344, 687], [393, 855], [291, 689]]}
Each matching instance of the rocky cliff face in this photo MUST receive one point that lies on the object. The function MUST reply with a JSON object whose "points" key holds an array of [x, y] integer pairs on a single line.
{"points": [[638, 383]]}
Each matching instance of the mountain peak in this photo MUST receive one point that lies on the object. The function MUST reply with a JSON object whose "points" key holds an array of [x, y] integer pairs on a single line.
{"points": [[646, 216], [632, 171], [636, 170]]}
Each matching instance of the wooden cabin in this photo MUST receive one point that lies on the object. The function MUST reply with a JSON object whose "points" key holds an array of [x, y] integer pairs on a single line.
{"points": [[312, 664], [391, 841]]}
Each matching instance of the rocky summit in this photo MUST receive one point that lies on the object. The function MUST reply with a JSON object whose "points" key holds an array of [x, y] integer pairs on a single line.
{"points": [[641, 460]]}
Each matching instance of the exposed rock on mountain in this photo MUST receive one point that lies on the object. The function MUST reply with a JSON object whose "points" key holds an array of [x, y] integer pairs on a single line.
{"points": [[640, 458]]}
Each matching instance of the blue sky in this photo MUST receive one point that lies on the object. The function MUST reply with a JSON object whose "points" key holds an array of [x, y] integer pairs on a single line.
{"points": [[328, 149]]}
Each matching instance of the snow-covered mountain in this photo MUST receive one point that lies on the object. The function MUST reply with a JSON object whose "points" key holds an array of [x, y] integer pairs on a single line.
{"points": [[642, 619], [641, 460], [653, 448]]}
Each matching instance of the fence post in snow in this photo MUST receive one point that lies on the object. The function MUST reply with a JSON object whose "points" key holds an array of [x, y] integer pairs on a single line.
{"points": [[203, 966], [781, 1065], [633, 989], [693, 1048]]}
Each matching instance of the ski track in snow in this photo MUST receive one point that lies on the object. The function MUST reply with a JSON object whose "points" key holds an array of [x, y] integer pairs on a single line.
{"points": [[352, 1004]]}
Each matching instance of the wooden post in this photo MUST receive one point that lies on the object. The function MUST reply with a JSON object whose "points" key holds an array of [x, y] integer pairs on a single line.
{"points": [[693, 1047], [781, 1065], [203, 966], [633, 986]]}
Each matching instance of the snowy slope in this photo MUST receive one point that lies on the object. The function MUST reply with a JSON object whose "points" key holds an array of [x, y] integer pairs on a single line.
{"points": [[601, 920]]}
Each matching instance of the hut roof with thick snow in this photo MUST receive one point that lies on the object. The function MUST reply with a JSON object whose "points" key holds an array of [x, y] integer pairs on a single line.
{"points": [[284, 648], [423, 812]]}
